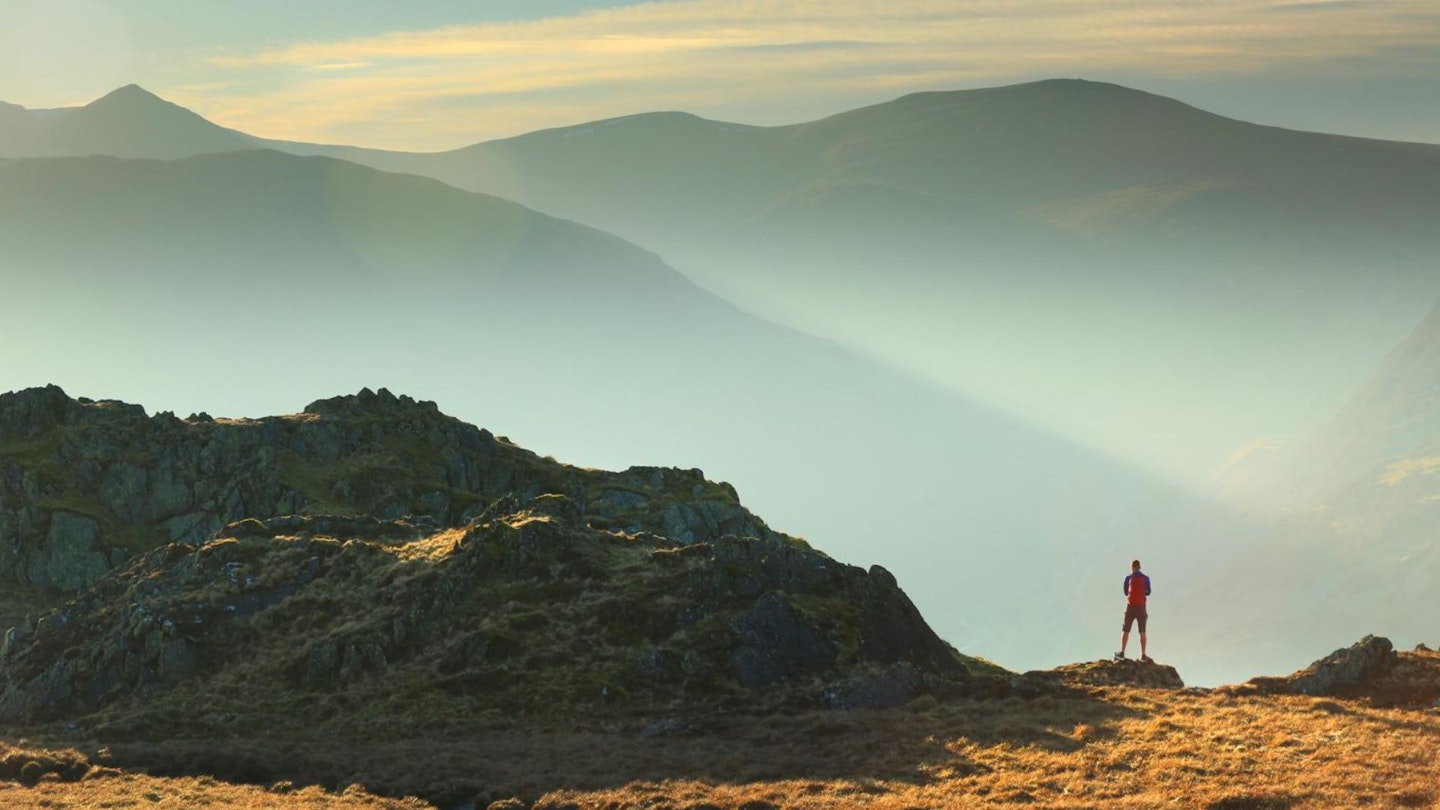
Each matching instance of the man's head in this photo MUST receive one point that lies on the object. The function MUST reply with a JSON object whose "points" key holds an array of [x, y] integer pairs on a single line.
{"points": [[1134, 565]]}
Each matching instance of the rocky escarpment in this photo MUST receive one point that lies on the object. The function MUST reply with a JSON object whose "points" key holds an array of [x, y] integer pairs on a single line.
{"points": [[84, 484], [441, 576]]}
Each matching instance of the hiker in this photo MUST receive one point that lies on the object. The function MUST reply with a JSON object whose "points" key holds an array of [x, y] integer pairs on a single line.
{"points": [[1136, 587]]}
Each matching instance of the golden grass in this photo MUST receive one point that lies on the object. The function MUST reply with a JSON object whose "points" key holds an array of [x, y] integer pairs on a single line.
{"points": [[1147, 749], [127, 790], [40, 778], [1103, 747]]}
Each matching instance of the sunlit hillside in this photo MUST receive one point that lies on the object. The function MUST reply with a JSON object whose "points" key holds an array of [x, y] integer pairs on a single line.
{"points": [[1090, 746]]}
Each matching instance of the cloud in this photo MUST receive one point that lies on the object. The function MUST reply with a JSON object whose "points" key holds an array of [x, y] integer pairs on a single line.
{"points": [[758, 59]]}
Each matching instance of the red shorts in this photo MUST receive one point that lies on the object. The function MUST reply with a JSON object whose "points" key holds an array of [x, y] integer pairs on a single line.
{"points": [[1135, 613]]}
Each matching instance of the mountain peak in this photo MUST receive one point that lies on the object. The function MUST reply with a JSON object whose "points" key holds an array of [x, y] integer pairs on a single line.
{"points": [[129, 122], [1066, 96], [129, 95]]}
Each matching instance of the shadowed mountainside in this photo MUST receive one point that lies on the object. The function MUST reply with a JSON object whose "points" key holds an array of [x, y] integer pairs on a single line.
{"points": [[376, 546], [316, 275], [968, 236]]}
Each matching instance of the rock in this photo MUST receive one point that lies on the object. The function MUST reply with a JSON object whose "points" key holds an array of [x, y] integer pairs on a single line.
{"points": [[373, 454], [372, 545], [663, 728], [71, 557], [892, 628], [123, 491], [776, 643], [1128, 672], [895, 685], [35, 411], [1367, 658]]}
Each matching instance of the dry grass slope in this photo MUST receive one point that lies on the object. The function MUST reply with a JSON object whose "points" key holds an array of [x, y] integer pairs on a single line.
{"points": [[41, 778], [1144, 749], [1096, 747]]}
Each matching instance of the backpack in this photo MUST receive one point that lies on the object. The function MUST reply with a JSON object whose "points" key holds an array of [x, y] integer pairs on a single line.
{"points": [[1136, 595]]}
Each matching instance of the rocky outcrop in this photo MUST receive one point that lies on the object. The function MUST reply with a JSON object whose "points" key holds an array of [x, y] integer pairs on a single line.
{"points": [[1367, 659], [456, 573], [1128, 672], [84, 485], [497, 613]]}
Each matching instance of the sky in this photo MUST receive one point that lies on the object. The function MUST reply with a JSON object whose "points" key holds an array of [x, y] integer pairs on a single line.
{"points": [[439, 74]]}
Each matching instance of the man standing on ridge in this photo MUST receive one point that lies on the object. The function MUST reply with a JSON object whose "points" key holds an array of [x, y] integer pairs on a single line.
{"points": [[1135, 588]]}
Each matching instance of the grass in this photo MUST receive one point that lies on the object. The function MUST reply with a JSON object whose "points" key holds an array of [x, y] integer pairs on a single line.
{"points": [[1104, 747], [39, 778], [32, 451], [1129, 749]]}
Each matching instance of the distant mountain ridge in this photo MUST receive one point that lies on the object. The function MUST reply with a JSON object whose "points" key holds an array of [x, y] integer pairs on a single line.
{"points": [[313, 273], [253, 272], [975, 220], [128, 122], [1354, 503]]}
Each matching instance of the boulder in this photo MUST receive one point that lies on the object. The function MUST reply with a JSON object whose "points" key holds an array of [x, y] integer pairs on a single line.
{"points": [[894, 685], [1368, 658], [71, 556], [776, 643], [1129, 672]]}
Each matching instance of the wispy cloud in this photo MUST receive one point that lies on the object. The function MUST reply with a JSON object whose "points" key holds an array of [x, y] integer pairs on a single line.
{"points": [[758, 59]]}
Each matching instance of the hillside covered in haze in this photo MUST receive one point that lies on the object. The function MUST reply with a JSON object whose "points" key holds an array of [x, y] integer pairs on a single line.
{"points": [[1135, 273], [1060, 305], [1210, 264]]}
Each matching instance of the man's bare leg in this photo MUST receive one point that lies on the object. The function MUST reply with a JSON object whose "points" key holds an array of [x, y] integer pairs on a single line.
{"points": [[1124, 639]]}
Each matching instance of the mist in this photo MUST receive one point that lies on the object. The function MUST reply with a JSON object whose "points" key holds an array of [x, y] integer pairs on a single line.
{"points": [[1001, 373]]}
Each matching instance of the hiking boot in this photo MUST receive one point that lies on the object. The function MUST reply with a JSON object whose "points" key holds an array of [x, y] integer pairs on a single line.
{"points": [[1147, 659], [1119, 656]]}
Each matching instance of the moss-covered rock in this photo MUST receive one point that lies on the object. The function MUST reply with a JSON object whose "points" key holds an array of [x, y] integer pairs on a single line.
{"points": [[373, 566], [140, 481]]}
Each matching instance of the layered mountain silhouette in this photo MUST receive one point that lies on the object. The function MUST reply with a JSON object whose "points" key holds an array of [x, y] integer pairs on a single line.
{"points": [[1211, 268], [129, 122], [254, 272], [1030, 240]]}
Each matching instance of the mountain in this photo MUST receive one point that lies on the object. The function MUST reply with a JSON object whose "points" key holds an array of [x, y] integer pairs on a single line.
{"points": [[1137, 274], [237, 277], [1393, 414], [260, 549], [1376, 449], [1145, 278], [1356, 499], [128, 122], [372, 594]]}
